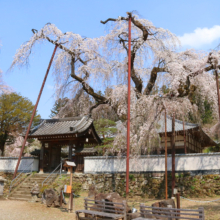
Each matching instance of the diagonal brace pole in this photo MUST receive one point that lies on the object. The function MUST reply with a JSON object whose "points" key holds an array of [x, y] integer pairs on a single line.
{"points": [[34, 111]]}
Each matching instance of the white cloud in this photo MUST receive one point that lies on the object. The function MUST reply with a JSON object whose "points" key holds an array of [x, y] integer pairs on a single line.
{"points": [[201, 36]]}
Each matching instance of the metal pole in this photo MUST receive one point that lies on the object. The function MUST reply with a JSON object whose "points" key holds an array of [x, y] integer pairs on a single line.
{"points": [[34, 111], [173, 152], [166, 193], [128, 117], [184, 134], [217, 85]]}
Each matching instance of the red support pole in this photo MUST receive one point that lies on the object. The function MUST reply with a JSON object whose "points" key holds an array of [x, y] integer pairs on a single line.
{"points": [[34, 111], [128, 117], [217, 85]]}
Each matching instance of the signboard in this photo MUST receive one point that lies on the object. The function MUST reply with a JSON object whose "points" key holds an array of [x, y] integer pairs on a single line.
{"points": [[67, 189]]}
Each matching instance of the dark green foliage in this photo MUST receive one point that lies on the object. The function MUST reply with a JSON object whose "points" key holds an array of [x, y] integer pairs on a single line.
{"points": [[15, 115], [207, 116], [106, 130], [57, 106], [212, 149]]}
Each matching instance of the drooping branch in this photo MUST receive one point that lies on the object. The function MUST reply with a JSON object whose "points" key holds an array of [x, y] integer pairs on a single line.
{"points": [[86, 87], [135, 78]]}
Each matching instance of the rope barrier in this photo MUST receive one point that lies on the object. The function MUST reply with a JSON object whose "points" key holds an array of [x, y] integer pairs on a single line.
{"points": [[199, 201]]}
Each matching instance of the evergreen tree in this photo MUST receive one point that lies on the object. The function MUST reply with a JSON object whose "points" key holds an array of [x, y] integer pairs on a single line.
{"points": [[57, 106], [15, 115]]}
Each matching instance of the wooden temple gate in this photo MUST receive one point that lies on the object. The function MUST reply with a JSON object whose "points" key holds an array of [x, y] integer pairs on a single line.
{"points": [[56, 133]]}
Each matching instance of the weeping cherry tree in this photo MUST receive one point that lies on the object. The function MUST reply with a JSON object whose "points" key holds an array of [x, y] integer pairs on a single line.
{"points": [[94, 64]]}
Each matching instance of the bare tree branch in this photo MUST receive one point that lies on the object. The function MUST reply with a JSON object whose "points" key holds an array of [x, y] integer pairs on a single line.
{"points": [[85, 85], [152, 80]]}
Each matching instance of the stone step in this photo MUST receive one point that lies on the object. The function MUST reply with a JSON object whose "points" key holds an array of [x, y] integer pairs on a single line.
{"points": [[23, 191], [40, 175], [21, 195], [39, 178], [20, 199]]}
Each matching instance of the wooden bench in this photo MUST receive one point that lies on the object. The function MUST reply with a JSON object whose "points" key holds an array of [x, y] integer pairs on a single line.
{"points": [[101, 209], [149, 212]]}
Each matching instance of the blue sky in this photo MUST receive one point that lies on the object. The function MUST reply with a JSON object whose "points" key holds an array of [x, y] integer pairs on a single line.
{"points": [[196, 22]]}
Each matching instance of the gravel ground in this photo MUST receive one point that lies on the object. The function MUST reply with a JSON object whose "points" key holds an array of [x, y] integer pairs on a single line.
{"points": [[19, 210]]}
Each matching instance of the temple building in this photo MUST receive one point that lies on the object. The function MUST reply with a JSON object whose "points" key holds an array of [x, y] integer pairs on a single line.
{"points": [[72, 132], [196, 138]]}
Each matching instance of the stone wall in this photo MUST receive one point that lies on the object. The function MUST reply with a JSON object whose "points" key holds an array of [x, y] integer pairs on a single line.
{"points": [[152, 185], [194, 163]]}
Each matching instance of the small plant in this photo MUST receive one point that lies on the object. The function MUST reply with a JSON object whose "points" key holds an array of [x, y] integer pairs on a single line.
{"points": [[192, 187], [43, 188], [131, 177], [76, 187]]}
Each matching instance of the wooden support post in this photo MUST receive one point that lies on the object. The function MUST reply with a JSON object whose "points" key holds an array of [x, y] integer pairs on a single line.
{"points": [[201, 213], [85, 204], [184, 134], [178, 202], [125, 209], [173, 152], [71, 182], [166, 185], [71, 201], [61, 198], [70, 152], [70, 157], [42, 158]]}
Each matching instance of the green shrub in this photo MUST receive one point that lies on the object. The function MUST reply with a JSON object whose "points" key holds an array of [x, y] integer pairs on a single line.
{"points": [[131, 177]]}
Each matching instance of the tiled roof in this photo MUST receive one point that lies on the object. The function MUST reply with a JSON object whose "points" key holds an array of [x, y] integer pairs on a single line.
{"points": [[62, 126], [178, 125]]}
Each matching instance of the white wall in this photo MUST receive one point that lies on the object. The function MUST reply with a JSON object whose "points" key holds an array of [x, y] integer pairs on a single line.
{"points": [[153, 163], [8, 164]]}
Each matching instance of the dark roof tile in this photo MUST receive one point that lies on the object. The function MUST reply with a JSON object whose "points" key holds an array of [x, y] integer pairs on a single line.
{"points": [[62, 126]]}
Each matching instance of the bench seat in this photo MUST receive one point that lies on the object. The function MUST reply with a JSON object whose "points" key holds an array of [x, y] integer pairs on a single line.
{"points": [[104, 214]]}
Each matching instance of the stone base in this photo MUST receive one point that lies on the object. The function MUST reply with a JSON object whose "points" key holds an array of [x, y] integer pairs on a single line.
{"points": [[41, 172], [34, 198]]}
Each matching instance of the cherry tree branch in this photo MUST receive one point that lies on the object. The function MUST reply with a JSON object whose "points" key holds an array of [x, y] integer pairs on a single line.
{"points": [[135, 78], [88, 89], [152, 80]]}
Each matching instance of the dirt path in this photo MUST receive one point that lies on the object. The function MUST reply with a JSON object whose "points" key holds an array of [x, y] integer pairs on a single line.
{"points": [[19, 210]]}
